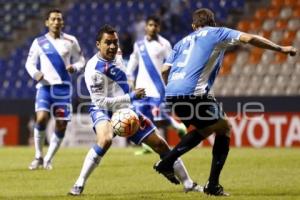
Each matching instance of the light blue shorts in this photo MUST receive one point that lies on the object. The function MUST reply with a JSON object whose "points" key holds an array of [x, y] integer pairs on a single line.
{"points": [[56, 100]]}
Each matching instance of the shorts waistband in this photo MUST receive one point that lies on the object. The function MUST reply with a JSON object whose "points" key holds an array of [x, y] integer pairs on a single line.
{"points": [[208, 96]]}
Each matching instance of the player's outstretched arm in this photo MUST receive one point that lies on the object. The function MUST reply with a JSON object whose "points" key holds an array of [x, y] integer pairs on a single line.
{"points": [[264, 43]]}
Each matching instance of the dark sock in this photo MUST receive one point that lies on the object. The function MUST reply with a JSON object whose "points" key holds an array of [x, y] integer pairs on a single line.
{"points": [[188, 141], [220, 152]]}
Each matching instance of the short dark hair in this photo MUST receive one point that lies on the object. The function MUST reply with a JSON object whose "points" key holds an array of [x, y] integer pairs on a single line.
{"points": [[203, 17], [154, 18], [105, 29], [54, 10]]}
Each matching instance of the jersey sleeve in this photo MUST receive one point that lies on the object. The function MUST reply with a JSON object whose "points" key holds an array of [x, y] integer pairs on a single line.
{"points": [[132, 63], [172, 56], [229, 36], [32, 59], [96, 83], [77, 56], [168, 50]]}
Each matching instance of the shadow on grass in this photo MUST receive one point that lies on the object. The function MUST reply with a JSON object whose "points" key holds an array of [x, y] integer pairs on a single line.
{"points": [[155, 195], [267, 194]]}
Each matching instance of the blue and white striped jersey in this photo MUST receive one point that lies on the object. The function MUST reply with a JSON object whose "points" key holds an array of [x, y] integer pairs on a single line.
{"points": [[107, 84], [54, 55], [148, 57], [196, 60]]}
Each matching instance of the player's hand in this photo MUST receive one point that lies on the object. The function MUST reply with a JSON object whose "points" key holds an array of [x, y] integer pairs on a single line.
{"points": [[292, 51], [38, 76], [138, 93], [70, 69]]}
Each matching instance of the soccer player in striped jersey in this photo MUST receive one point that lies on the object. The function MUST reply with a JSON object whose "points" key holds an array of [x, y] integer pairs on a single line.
{"points": [[54, 51], [109, 91], [147, 59], [192, 69]]}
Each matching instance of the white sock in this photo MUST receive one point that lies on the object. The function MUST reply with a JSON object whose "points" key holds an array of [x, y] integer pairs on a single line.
{"points": [[182, 174], [39, 140], [91, 161], [53, 147]]}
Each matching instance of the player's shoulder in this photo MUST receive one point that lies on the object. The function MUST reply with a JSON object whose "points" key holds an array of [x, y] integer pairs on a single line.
{"points": [[68, 37], [219, 29], [41, 38], [163, 40], [92, 62]]}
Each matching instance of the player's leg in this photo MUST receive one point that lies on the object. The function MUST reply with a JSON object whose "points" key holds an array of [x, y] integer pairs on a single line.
{"points": [[165, 119], [160, 146], [39, 134], [179, 126], [61, 109], [188, 142], [42, 109], [104, 134], [55, 142], [190, 112], [219, 152], [145, 107]]}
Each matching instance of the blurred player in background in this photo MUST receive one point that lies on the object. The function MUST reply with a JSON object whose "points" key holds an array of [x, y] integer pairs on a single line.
{"points": [[192, 68], [147, 59], [54, 51], [109, 90]]}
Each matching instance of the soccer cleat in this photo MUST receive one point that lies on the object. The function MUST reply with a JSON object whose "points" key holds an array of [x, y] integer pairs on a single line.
{"points": [[76, 190], [215, 190], [167, 171], [48, 165], [145, 150], [194, 188], [142, 152], [36, 163]]}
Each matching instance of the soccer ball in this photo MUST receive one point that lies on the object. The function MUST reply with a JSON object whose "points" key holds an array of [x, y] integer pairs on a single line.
{"points": [[125, 122]]}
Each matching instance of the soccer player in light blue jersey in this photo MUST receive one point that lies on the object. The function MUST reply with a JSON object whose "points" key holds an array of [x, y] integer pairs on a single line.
{"points": [[109, 91], [191, 71], [59, 55]]}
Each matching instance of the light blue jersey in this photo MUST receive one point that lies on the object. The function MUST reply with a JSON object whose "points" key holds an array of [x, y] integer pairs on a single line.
{"points": [[196, 60]]}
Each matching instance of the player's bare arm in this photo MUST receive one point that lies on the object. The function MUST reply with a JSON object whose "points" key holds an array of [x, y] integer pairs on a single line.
{"points": [[264, 43], [139, 93], [165, 72]]}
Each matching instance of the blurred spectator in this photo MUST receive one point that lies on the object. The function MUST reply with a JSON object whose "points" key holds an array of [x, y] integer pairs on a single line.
{"points": [[179, 10], [165, 18], [139, 27]]}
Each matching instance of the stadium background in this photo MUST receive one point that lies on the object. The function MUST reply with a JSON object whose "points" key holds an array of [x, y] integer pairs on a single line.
{"points": [[250, 77]]}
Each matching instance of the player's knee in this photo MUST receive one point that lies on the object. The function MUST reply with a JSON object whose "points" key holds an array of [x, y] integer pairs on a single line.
{"points": [[225, 129], [41, 121], [60, 126]]}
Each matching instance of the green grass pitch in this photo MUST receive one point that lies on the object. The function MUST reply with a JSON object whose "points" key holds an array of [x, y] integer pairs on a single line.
{"points": [[268, 174]]}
